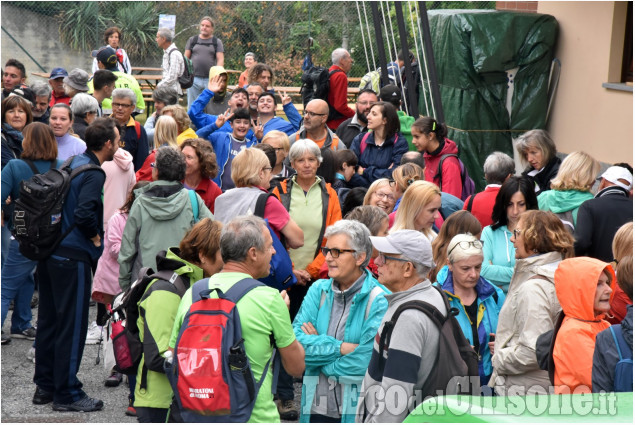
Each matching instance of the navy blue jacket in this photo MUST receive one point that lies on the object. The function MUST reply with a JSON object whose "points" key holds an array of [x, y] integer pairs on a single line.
{"points": [[85, 209], [379, 161]]}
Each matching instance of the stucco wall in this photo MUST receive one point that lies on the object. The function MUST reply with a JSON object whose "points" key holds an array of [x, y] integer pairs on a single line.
{"points": [[40, 37], [586, 116]]}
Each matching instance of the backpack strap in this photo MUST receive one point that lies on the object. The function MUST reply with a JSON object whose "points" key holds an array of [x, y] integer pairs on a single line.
{"points": [[32, 166], [363, 143], [261, 202], [194, 203], [470, 202], [620, 343], [137, 128], [174, 278], [371, 297], [440, 169]]}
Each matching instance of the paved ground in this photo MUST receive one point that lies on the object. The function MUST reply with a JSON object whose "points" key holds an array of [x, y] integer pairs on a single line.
{"points": [[17, 387]]}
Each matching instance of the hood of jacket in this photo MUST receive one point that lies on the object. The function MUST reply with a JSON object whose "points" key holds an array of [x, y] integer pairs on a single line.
{"points": [[162, 200], [559, 201], [448, 147], [213, 72], [576, 281], [171, 260], [123, 159]]}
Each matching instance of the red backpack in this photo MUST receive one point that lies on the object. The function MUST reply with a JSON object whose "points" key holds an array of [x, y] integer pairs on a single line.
{"points": [[210, 375]]}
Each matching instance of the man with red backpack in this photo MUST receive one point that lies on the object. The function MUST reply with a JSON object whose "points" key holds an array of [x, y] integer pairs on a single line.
{"points": [[246, 248]]}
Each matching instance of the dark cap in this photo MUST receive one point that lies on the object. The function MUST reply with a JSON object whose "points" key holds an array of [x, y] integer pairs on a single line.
{"points": [[25, 93], [106, 55], [58, 73], [391, 94]]}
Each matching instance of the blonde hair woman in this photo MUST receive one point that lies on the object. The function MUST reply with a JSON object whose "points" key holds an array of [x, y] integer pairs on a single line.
{"points": [[251, 173], [419, 208], [570, 188], [165, 133], [381, 194], [279, 141], [183, 121]]}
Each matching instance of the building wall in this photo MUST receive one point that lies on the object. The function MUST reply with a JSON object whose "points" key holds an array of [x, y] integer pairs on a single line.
{"points": [[586, 116], [517, 6], [39, 35]]}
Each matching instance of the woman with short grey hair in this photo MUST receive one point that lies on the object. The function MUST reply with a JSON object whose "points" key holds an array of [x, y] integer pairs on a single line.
{"points": [[477, 301], [302, 147], [337, 322], [85, 109], [160, 218], [538, 153]]}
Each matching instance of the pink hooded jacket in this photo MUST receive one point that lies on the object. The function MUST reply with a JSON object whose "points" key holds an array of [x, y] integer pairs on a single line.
{"points": [[106, 280], [120, 179]]}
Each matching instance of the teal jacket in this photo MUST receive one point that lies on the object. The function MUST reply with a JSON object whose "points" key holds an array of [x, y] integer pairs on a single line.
{"points": [[157, 311], [322, 352], [560, 201], [499, 250], [490, 301]]}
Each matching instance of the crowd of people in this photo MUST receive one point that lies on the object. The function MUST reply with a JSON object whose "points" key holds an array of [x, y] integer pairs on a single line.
{"points": [[370, 219]]}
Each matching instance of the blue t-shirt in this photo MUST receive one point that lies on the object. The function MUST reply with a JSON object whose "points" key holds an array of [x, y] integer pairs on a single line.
{"points": [[236, 147]]}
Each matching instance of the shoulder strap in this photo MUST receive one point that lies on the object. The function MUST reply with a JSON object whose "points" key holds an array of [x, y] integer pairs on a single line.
{"points": [[240, 289], [259, 210], [194, 203], [174, 278], [199, 288], [470, 202], [193, 43], [622, 347], [137, 128], [363, 143], [440, 168], [215, 43], [32, 166], [77, 171]]}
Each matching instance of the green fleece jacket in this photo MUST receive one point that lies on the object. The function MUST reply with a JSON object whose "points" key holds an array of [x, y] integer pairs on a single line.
{"points": [[159, 218], [157, 310], [560, 201]]}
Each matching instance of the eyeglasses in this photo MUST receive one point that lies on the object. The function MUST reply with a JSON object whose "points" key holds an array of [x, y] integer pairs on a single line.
{"points": [[517, 232], [466, 245], [381, 259], [121, 105], [313, 114], [267, 169], [278, 149], [335, 252], [387, 196]]}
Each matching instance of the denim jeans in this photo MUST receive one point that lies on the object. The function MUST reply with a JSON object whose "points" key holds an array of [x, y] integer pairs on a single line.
{"points": [[17, 283], [200, 84]]}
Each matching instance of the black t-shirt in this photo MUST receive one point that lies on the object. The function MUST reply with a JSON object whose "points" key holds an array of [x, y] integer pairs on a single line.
{"points": [[472, 313]]}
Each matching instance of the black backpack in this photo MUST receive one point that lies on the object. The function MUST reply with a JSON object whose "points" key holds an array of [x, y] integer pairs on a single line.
{"points": [[545, 344], [457, 372], [315, 85], [37, 214], [129, 310]]}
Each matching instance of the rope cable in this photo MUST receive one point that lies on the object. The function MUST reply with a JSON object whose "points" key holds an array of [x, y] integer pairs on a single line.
{"points": [[361, 26], [425, 60], [419, 51], [372, 52]]}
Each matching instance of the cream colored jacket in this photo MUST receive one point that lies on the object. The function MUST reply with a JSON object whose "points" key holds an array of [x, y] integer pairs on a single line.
{"points": [[530, 309]]}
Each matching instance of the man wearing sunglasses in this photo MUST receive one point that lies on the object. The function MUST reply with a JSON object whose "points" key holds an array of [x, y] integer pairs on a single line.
{"points": [[403, 263]]}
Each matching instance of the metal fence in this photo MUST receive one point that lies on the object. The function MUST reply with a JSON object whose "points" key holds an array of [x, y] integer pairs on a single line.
{"points": [[277, 32]]}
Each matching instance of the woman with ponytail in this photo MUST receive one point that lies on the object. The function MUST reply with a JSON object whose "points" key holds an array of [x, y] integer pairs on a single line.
{"points": [[429, 137]]}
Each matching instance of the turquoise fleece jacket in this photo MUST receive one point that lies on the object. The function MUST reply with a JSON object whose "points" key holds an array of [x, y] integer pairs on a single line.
{"points": [[490, 301], [500, 251], [322, 352], [559, 201]]}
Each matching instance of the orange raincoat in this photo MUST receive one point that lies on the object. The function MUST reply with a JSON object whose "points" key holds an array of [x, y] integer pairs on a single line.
{"points": [[576, 282]]}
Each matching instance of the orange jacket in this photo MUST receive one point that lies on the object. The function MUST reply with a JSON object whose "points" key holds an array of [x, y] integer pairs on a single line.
{"points": [[331, 213], [576, 281]]}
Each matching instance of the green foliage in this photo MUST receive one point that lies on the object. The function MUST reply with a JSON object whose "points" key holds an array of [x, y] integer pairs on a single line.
{"points": [[78, 23], [139, 23]]}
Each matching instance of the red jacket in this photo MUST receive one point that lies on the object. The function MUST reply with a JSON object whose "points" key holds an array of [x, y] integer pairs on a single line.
{"points": [[483, 204], [337, 97], [208, 191], [451, 172]]}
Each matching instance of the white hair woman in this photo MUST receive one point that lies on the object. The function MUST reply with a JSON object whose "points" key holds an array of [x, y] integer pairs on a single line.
{"points": [[478, 301]]}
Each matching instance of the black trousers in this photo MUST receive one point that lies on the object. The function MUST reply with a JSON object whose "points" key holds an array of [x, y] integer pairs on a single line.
{"points": [[285, 381], [62, 324], [151, 415]]}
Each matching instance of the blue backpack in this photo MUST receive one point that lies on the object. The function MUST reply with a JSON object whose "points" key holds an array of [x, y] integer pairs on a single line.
{"points": [[468, 187], [281, 273], [211, 375], [623, 380]]}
